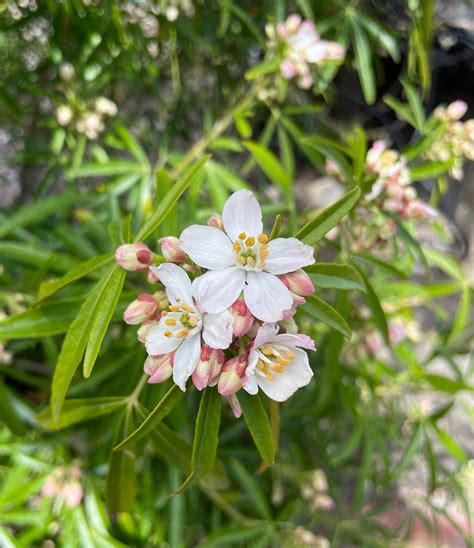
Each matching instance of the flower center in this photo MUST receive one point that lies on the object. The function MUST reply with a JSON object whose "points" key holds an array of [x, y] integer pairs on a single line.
{"points": [[251, 253], [181, 320], [272, 360]]}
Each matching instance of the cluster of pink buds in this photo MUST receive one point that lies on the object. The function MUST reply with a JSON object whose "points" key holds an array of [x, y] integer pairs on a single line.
{"points": [[302, 48], [457, 140], [64, 484], [391, 189], [232, 326]]}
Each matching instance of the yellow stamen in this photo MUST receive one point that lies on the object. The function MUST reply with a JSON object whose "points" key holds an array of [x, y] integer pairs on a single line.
{"points": [[265, 350], [192, 321], [170, 321], [283, 361], [250, 261], [167, 333], [242, 236], [278, 368], [174, 308], [237, 247], [263, 238], [250, 241], [164, 312], [269, 376], [290, 355], [241, 260], [261, 365], [185, 307], [181, 334]]}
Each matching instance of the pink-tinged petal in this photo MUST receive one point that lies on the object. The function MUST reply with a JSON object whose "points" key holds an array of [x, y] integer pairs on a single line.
{"points": [[267, 332], [266, 296], [235, 406], [316, 52], [217, 329], [287, 255], [176, 282], [185, 360], [376, 190], [216, 290], [250, 383], [288, 69], [242, 213], [298, 339], [156, 343], [207, 246]]}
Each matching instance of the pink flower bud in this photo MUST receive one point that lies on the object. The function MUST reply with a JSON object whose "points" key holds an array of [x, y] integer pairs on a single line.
{"points": [[235, 406], [142, 309], [134, 257], [160, 368], [215, 221], [396, 332], [152, 277], [145, 329], [208, 367], [171, 251], [232, 374], [243, 319], [456, 110], [335, 51], [298, 282], [73, 494], [297, 300], [287, 69]]}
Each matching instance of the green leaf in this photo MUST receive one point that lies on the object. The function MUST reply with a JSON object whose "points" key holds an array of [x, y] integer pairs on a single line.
{"points": [[275, 231], [8, 412], [363, 57], [270, 166], [105, 309], [335, 276], [80, 410], [259, 426], [206, 436], [252, 489], [430, 170], [401, 110], [411, 450], [379, 264], [133, 146], [286, 151], [35, 256], [121, 482], [326, 219], [39, 210], [75, 343], [330, 149], [450, 444], [415, 104], [327, 314], [169, 201], [382, 36], [445, 384], [163, 408], [113, 167], [265, 67], [49, 319], [51, 287]]}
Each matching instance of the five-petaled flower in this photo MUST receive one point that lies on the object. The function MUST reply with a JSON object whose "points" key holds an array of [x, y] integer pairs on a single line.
{"points": [[184, 322], [241, 258]]}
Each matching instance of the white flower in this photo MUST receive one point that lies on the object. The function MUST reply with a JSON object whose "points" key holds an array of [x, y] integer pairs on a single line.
{"points": [[277, 364], [241, 258], [182, 324]]}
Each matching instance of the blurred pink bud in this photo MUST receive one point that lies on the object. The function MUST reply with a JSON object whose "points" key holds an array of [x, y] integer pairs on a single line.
{"points": [[171, 251], [232, 374], [50, 487], [73, 494], [134, 257], [288, 69], [160, 368], [335, 51], [235, 406], [152, 277], [189, 268], [456, 110], [292, 23], [243, 319], [298, 282], [143, 308], [145, 329], [396, 332], [374, 342], [208, 367], [215, 221], [420, 211]]}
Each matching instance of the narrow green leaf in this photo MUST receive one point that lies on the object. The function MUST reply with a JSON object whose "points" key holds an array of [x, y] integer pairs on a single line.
{"points": [[430, 170], [450, 444], [275, 231], [163, 408], [350, 446], [80, 410], [133, 146], [411, 450], [326, 219], [33, 255], [400, 109], [51, 287], [382, 36], [415, 104], [103, 316], [330, 149], [121, 482], [113, 167], [327, 314], [8, 412], [445, 384], [286, 151], [169, 201], [379, 264], [261, 69], [252, 489], [259, 426], [335, 276], [363, 57]]}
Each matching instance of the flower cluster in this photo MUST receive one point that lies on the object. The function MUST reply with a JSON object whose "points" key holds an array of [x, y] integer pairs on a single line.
{"points": [[392, 188], [302, 47], [64, 485], [231, 326], [457, 139]]}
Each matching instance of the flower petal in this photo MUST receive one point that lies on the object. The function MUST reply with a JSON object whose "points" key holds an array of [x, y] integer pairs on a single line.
{"points": [[267, 332], [299, 369], [266, 296], [217, 329], [242, 213], [216, 290], [185, 360], [156, 343], [298, 339], [287, 255], [176, 282], [207, 246]]}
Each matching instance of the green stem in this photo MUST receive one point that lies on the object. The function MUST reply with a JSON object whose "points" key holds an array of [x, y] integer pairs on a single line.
{"points": [[228, 508]]}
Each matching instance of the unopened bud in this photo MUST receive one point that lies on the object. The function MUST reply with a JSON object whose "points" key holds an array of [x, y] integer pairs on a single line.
{"points": [[208, 367], [171, 251], [456, 110], [298, 282], [232, 374], [67, 72], [235, 406], [160, 368], [215, 221], [145, 328], [134, 257], [335, 51], [64, 115], [143, 308], [243, 319]]}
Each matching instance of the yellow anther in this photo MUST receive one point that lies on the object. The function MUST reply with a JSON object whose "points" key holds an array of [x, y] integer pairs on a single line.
{"points": [[174, 308], [170, 321], [283, 361], [242, 236], [265, 350], [277, 367], [263, 238], [164, 312], [241, 260], [250, 241], [167, 333], [181, 334], [261, 365], [192, 321], [269, 376], [237, 247], [185, 307], [250, 261], [290, 355]]}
